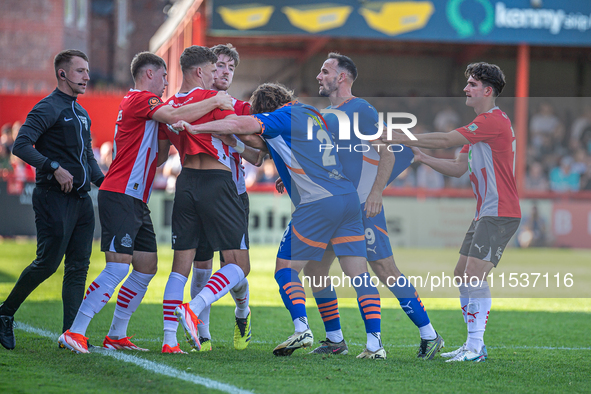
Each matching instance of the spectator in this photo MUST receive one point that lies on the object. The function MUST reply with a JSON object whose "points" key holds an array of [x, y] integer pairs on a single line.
{"points": [[446, 120], [545, 124], [533, 230], [563, 178], [405, 179], [6, 142], [267, 172], [536, 179], [428, 178], [579, 126]]}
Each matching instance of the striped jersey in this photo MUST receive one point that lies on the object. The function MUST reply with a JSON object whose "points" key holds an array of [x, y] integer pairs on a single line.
{"points": [[240, 108], [135, 146], [303, 152], [192, 144], [359, 157], [491, 164]]}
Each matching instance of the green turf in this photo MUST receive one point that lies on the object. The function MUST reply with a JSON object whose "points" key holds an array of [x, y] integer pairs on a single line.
{"points": [[535, 345]]}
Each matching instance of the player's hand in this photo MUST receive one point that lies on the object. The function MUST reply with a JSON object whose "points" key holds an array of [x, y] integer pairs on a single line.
{"points": [[279, 186], [418, 154], [65, 179], [227, 139], [395, 137], [260, 158], [373, 204], [182, 125], [224, 100], [172, 129]]}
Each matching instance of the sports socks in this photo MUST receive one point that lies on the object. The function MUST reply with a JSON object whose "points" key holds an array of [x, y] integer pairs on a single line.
{"points": [[198, 282], [173, 297], [477, 313], [98, 294], [241, 297], [369, 302], [328, 306], [130, 296], [293, 296], [216, 287], [464, 299], [411, 303]]}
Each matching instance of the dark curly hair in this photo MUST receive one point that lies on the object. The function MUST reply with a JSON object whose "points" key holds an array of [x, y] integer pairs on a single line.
{"points": [[489, 74], [270, 96]]}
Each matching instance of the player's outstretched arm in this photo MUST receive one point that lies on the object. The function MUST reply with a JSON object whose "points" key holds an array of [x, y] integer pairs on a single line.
{"points": [[428, 140], [191, 112], [231, 124], [450, 167], [373, 203]]}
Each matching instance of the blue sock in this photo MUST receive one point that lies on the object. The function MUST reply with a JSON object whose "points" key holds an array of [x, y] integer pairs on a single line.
{"points": [[369, 302], [328, 306], [410, 302], [292, 292]]}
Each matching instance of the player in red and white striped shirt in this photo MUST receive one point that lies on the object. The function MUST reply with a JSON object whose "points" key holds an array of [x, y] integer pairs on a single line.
{"points": [[489, 156], [127, 232], [227, 61]]}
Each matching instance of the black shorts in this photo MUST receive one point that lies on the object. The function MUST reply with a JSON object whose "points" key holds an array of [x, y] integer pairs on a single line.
{"points": [[206, 253], [488, 236], [207, 212], [125, 224]]}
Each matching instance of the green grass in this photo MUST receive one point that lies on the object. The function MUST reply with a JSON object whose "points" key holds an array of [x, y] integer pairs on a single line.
{"points": [[530, 340]]}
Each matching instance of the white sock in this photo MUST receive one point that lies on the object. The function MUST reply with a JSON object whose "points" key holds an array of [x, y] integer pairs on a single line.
{"points": [[301, 324], [241, 297], [427, 332], [217, 286], [98, 294], [130, 296], [464, 299], [198, 282], [477, 313], [335, 336], [374, 341], [173, 297]]}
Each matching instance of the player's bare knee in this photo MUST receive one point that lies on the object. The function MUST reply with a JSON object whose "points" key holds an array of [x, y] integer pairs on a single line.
{"points": [[385, 268]]}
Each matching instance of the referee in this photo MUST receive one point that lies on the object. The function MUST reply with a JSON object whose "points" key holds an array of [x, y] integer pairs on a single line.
{"points": [[55, 139]]}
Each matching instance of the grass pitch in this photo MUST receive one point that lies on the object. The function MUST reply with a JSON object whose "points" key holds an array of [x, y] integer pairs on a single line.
{"points": [[535, 345]]}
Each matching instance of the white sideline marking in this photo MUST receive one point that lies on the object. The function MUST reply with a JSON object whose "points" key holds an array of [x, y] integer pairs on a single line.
{"points": [[151, 366]]}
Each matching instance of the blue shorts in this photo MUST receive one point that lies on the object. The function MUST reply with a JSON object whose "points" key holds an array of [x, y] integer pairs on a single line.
{"points": [[335, 219], [377, 241]]}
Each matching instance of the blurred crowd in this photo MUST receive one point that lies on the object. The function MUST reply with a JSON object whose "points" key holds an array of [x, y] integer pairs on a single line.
{"points": [[558, 148]]}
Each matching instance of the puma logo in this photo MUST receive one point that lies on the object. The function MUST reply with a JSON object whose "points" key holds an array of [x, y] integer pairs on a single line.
{"points": [[478, 247]]}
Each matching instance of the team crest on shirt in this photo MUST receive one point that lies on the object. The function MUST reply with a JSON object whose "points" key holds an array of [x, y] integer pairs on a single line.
{"points": [[335, 174], [84, 121]]}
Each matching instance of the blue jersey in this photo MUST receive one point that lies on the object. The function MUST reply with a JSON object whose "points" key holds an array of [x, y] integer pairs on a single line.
{"points": [[309, 168], [359, 157]]}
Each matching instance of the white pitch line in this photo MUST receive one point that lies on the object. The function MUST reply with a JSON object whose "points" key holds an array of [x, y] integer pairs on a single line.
{"points": [[151, 366]]}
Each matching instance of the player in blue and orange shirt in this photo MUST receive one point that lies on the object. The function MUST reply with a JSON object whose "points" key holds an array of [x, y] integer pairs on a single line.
{"points": [[327, 208], [370, 165]]}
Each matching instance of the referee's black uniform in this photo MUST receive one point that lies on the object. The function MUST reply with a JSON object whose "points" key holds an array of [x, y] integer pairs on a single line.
{"points": [[57, 131]]}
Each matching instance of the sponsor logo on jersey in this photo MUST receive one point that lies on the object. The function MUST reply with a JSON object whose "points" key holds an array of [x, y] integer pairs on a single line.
{"points": [[154, 102], [126, 241]]}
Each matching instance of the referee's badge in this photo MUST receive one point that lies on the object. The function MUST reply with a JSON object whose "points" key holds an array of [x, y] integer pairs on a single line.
{"points": [[84, 121]]}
